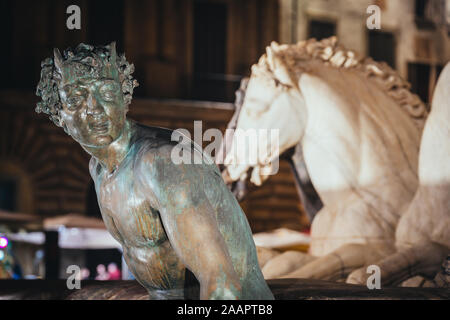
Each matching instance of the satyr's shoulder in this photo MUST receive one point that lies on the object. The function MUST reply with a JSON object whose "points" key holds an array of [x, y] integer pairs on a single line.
{"points": [[163, 150], [174, 146], [150, 142]]}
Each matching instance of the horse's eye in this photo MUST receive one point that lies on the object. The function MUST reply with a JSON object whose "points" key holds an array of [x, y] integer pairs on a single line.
{"points": [[256, 109]]}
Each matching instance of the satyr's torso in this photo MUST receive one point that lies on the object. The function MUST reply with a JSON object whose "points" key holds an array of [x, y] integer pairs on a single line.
{"points": [[129, 198]]}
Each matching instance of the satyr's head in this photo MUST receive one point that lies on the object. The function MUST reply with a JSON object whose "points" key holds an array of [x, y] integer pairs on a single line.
{"points": [[87, 91]]}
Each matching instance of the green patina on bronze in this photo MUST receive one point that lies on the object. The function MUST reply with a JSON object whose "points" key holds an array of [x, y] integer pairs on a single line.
{"points": [[169, 217]]}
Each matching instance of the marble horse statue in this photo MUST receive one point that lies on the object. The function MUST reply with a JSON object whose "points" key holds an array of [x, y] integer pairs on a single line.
{"points": [[356, 127], [240, 188], [423, 232]]}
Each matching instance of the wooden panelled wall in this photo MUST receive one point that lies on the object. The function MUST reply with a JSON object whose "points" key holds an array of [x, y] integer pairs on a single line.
{"points": [[156, 35], [57, 167], [159, 38]]}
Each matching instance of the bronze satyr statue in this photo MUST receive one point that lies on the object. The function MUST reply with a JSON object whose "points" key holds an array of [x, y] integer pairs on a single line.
{"points": [[171, 219]]}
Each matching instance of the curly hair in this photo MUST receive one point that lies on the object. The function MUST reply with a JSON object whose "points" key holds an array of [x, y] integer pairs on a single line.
{"points": [[86, 60]]}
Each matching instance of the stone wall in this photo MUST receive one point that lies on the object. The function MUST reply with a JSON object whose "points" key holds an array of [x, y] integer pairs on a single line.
{"points": [[413, 42]]}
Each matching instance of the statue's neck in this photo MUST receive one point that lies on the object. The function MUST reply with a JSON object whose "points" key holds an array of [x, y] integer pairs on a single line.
{"points": [[298, 113], [111, 156]]}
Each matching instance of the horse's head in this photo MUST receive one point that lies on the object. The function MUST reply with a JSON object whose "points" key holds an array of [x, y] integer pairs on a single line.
{"points": [[271, 110]]}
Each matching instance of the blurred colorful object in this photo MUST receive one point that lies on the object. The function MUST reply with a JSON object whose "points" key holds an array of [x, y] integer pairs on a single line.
{"points": [[3, 242], [6, 258]]}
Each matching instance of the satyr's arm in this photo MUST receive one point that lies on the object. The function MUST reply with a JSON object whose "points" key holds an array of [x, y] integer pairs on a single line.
{"points": [[192, 228]]}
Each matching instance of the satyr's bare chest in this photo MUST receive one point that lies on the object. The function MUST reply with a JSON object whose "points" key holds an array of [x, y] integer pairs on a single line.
{"points": [[128, 211], [130, 215]]}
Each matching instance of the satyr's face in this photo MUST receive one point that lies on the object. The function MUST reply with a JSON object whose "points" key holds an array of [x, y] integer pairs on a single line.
{"points": [[93, 110]]}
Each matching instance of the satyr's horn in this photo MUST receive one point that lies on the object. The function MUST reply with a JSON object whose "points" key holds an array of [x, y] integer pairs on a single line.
{"points": [[58, 60], [113, 52]]}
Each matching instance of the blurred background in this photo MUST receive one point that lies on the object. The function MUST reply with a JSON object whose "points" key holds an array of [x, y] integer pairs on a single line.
{"points": [[190, 56]]}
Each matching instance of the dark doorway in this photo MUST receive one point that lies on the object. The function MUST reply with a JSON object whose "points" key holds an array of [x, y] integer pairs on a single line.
{"points": [[419, 76], [419, 8], [421, 17], [210, 25], [382, 47], [8, 195], [321, 29]]}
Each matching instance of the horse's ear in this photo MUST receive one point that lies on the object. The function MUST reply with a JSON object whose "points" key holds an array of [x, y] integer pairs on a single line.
{"points": [[270, 58], [274, 45], [277, 65]]}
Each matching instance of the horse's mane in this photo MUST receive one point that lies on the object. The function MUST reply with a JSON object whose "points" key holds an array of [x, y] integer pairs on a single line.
{"points": [[331, 53]]}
